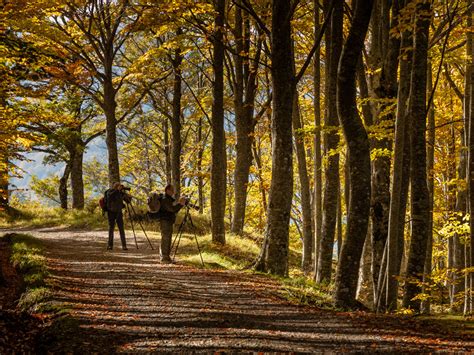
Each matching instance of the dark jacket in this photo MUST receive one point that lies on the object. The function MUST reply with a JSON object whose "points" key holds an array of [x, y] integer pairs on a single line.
{"points": [[169, 208], [115, 200]]}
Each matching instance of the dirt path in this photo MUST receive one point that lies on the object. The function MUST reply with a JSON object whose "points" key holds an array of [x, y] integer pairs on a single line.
{"points": [[128, 302]]}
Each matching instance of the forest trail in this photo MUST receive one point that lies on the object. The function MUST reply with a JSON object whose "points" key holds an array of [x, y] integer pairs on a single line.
{"points": [[126, 301]]}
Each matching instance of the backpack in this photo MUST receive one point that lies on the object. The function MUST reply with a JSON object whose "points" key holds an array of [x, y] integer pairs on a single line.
{"points": [[103, 203], [154, 202]]}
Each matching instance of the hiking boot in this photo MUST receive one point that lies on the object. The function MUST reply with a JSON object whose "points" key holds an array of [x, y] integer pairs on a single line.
{"points": [[109, 247], [124, 248], [167, 261]]}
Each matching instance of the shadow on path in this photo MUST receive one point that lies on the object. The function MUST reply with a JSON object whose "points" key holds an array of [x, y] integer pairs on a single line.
{"points": [[127, 301]]}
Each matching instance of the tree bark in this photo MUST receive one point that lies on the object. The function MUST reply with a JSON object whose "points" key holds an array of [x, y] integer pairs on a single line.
{"points": [[281, 188], [359, 158], [77, 179], [318, 180], [426, 305], [386, 52], [469, 302], [306, 262], [4, 195], [167, 150], [331, 142], [400, 179], [418, 177], [109, 107], [62, 191], [245, 89], [219, 160], [176, 121], [200, 177]]}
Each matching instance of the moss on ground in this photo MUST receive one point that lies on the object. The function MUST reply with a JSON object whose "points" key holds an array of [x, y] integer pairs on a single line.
{"points": [[31, 265]]}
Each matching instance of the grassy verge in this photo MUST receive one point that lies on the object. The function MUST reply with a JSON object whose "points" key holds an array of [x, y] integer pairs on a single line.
{"points": [[27, 259], [450, 323], [36, 216], [239, 253]]}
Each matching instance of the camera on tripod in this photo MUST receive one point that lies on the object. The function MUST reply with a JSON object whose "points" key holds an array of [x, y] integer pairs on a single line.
{"points": [[187, 203]]}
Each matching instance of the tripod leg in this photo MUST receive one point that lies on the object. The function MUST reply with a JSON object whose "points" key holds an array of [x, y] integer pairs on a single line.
{"points": [[196, 239], [141, 225], [179, 234], [180, 228], [131, 222]]}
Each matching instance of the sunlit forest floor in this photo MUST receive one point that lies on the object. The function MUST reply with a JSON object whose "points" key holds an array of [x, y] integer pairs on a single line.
{"points": [[127, 301]]}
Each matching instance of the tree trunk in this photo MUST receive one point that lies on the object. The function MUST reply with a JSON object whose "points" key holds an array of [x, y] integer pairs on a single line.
{"points": [[62, 191], [176, 121], [399, 193], [460, 210], [385, 87], [245, 89], [111, 131], [469, 303], [420, 209], [281, 188], [200, 177], [219, 160], [77, 180], [4, 198], [331, 142], [258, 163], [426, 305], [318, 193], [167, 150], [305, 189], [359, 158]]}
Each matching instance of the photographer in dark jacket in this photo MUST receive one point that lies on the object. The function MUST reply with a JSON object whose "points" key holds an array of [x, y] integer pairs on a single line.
{"points": [[168, 210], [115, 201]]}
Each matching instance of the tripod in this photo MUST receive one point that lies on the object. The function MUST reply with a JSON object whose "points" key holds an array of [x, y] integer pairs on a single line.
{"points": [[179, 234], [131, 214]]}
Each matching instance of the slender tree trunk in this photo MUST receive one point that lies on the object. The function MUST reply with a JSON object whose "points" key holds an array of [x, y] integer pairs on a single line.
{"points": [[245, 89], [331, 142], [200, 177], [281, 188], [176, 121], [460, 210], [167, 150], [426, 305], [339, 224], [258, 163], [359, 158], [420, 209], [77, 179], [386, 53], [469, 303], [109, 108], [461, 197], [219, 160], [318, 180], [242, 148], [400, 176], [449, 177], [62, 191], [4, 198], [305, 189]]}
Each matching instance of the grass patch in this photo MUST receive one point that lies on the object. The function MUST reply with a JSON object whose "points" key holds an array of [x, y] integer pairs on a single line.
{"points": [[27, 259], [304, 291], [37, 216], [239, 253], [451, 323]]}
